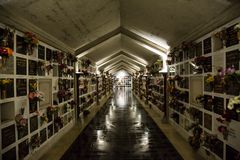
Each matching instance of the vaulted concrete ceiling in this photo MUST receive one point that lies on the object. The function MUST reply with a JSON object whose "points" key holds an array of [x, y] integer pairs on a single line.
{"points": [[142, 29]]}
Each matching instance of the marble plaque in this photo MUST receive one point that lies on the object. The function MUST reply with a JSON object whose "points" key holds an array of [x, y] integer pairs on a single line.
{"points": [[33, 123], [207, 45], [8, 136], [41, 52], [21, 66], [45, 86], [232, 38], [232, 59], [10, 155], [21, 87]]}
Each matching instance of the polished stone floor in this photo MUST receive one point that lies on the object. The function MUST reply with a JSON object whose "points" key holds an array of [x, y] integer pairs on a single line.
{"points": [[122, 130]]}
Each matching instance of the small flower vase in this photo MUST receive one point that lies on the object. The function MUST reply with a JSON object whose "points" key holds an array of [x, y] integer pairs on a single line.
{"points": [[224, 42], [30, 49], [4, 94], [238, 35], [4, 60]]}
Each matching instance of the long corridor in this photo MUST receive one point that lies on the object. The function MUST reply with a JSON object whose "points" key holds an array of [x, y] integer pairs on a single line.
{"points": [[122, 130]]}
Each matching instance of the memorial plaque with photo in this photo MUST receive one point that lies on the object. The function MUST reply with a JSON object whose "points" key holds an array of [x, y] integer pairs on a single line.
{"points": [[218, 105], [10, 155], [231, 153], [48, 54], [232, 37], [218, 148], [50, 131], [207, 45], [21, 45], [41, 52], [21, 66], [21, 87], [8, 136], [23, 149], [43, 136], [32, 68], [33, 123], [232, 59], [208, 121], [199, 49]]}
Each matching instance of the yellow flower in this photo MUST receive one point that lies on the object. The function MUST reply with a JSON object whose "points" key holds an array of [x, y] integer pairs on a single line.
{"points": [[210, 79], [6, 81]]}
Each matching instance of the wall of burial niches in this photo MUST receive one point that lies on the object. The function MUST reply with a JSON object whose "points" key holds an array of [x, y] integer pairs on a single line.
{"points": [[29, 122], [206, 80]]}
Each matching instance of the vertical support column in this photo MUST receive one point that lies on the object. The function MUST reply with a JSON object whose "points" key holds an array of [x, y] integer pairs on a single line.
{"points": [[97, 89], [77, 75], [165, 117], [147, 87]]}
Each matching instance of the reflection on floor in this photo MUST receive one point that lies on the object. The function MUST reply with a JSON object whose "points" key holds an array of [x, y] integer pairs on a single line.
{"points": [[122, 130]]}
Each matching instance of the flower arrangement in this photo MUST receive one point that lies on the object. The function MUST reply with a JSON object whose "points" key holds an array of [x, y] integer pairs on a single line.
{"points": [[60, 57], [31, 40], [7, 38], [210, 80], [50, 111], [41, 66], [237, 29], [21, 121], [86, 63], [33, 86], [231, 75], [49, 67], [58, 123], [71, 57], [200, 99], [195, 140], [222, 35], [35, 141], [61, 93], [3, 86], [36, 96], [72, 104], [62, 66], [200, 61], [224, 130], [5, 82], [5, 53], [44, 119], [234, 104]]}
